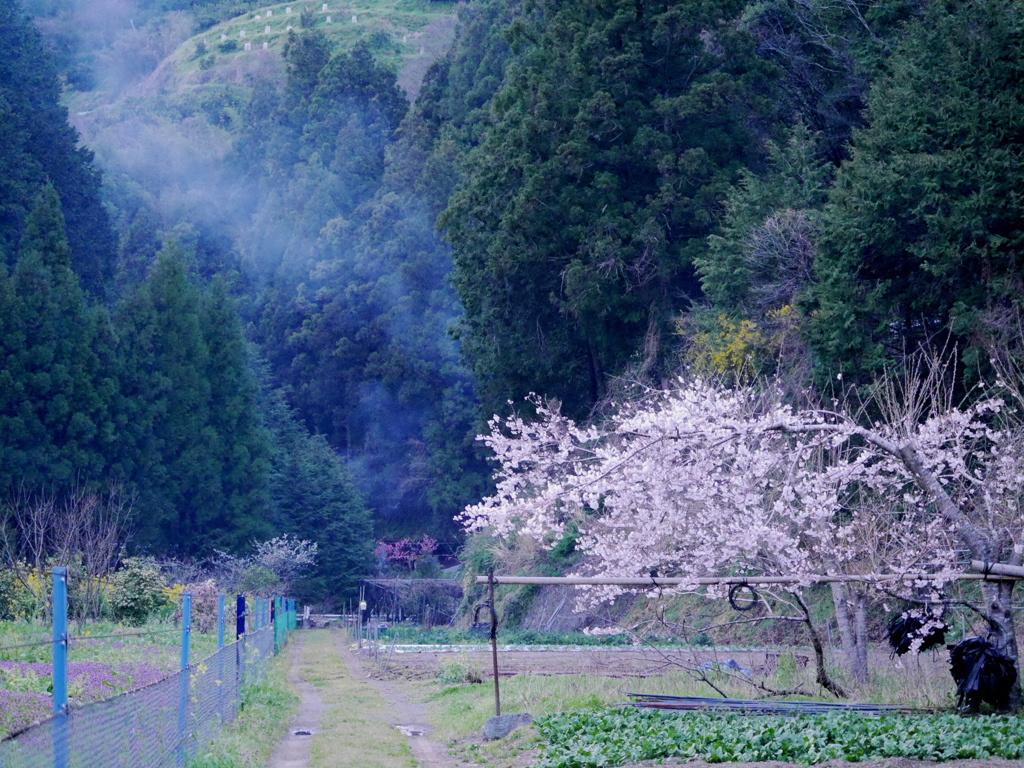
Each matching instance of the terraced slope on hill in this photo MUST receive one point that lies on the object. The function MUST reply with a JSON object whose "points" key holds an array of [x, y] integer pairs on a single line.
{"points": [[405, 34]]}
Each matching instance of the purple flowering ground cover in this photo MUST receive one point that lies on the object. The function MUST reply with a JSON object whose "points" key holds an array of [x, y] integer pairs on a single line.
{"points": [[19, 709], [105, 659], [26, 687]]}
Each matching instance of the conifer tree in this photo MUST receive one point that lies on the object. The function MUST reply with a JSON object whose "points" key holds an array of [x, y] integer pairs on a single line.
{"points": [[40, 147], [315, 498], [56, 421], [194, 443], [178, 482], [240, 445], [617, 130], [925, 229]]}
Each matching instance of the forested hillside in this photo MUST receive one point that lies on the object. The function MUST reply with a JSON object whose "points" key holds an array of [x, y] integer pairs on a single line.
{"points": [[313, 277]]}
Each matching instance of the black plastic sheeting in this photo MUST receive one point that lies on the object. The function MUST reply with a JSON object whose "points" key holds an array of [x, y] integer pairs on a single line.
{"points": [[906, 628], [982, 674], [763, 707]]}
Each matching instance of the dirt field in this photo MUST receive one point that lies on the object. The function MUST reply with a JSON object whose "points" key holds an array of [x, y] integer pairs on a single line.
{"points": [[609, 662], [923, 680]]}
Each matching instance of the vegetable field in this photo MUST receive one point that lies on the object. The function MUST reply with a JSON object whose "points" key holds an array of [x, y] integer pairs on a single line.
{"points": [[105, 660], [590, 739]]}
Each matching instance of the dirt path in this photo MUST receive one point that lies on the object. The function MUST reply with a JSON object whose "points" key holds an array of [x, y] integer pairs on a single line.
{"points": [[410, 717], [293, 752]]}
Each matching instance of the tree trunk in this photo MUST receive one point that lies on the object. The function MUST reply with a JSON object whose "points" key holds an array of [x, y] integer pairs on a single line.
{"points": [[860, 630], [1002, 633], [852, 630], [822, 678]]}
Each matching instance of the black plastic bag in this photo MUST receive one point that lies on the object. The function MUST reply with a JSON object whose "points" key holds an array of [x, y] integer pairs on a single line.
{"points": [[907, 627], [982, 674]]}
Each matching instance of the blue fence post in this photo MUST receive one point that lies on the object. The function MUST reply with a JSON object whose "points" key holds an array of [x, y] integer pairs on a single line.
{"points": [[239, 616], [241, 626], [276, 618], [220, 621], [186, 631], [186, 627], [60, 667], [220, 656]]}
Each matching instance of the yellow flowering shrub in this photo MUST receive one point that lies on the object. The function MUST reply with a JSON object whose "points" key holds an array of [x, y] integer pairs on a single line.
{"points": [[735, 348]]}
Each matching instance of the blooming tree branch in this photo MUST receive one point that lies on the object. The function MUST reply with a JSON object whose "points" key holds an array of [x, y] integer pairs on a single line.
{"points": [[701, 480]]}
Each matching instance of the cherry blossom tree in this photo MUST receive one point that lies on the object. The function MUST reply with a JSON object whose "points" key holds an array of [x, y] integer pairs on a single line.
{"points": [[407, 552], [701, 480]]}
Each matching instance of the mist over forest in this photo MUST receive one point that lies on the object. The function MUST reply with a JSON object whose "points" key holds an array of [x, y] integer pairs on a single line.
{"points": [[273, 268]]}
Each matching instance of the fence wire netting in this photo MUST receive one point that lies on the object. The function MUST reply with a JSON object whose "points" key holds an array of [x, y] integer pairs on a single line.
{"points": [[160, 725]]}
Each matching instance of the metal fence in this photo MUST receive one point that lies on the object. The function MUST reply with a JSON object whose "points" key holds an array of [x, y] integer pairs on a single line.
{"points": [[158, 726]]}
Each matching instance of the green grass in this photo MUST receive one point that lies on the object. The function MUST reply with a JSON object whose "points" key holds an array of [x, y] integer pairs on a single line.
{"points": [[159, 644], [617, 737], [267, 708], [355, 729], [501, 753], [458, 711]]}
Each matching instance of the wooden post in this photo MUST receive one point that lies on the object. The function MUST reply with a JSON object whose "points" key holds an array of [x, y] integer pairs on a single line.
{"points": [[494, 641]]}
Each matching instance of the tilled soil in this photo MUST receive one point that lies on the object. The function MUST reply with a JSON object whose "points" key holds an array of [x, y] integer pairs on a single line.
{"points": [[646, 661], [607, 662]]}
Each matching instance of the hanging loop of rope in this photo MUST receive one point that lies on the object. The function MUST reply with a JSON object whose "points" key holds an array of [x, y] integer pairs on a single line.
{"points": [[736, 590]]}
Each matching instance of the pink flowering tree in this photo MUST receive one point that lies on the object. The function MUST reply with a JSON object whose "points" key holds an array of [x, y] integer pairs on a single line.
{"points": [[406, 553], [701, 481]]}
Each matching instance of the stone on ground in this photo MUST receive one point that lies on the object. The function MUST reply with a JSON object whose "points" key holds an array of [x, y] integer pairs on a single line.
{"points": [[500, 726]]}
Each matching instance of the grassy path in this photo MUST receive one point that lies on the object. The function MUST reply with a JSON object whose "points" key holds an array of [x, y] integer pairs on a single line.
{"points": [[408, 715], [357, 726], [293, 751]]}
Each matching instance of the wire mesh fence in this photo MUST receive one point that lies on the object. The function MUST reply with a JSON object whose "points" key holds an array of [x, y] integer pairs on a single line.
{"points": [[160, 725]]}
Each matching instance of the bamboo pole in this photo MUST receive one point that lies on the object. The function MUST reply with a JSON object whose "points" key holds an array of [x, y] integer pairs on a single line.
{"points": [[661, 581], [1000, 569]]}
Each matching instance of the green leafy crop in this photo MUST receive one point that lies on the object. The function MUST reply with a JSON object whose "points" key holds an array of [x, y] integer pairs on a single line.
{"points": [[614, 737]]}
